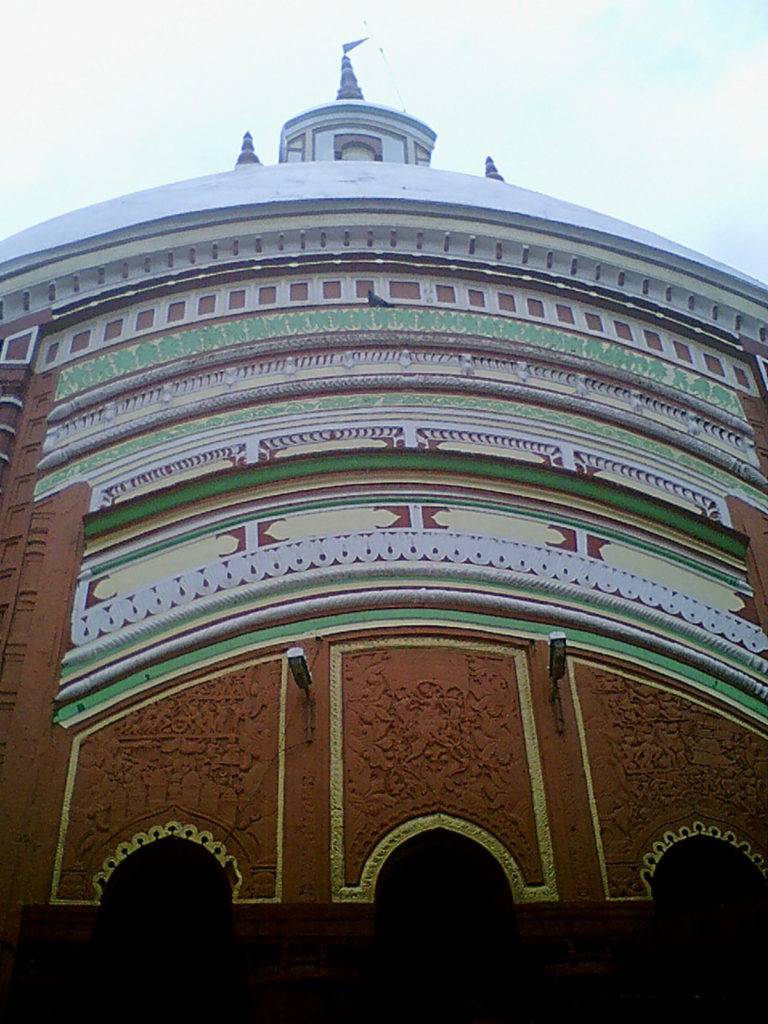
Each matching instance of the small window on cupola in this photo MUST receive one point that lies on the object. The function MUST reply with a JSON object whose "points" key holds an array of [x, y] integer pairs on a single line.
{"points": [[422, 155], [357, 147]]}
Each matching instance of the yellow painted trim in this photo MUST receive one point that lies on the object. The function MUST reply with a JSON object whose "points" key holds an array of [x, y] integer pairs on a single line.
{"points": [[365, 890]]}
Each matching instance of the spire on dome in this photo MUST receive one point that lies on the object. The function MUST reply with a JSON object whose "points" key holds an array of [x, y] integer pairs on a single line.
{"points": [[491, 171], [247, 154], [348, 89]]}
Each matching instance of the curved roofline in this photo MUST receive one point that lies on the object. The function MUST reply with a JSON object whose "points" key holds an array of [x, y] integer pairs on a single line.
{"points": [[340, 106], [260, 190]]}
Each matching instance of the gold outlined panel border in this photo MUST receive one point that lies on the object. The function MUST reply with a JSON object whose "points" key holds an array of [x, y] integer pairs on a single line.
{"points": [[587, 768], [155, 698], [364, 891]]}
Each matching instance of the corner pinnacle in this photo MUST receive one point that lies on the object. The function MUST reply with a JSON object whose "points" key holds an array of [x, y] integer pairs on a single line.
{"points": [[491, 171], [247, 154]]}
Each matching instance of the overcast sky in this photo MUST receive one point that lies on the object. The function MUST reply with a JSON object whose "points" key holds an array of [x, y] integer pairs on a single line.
{"points": [[653, 111]]}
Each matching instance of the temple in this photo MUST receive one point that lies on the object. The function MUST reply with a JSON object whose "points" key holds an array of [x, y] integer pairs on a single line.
{"points": [[383, 599]]}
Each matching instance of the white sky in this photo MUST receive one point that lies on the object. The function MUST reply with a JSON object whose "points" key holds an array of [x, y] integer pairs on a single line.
{"points": [[653, 111]]}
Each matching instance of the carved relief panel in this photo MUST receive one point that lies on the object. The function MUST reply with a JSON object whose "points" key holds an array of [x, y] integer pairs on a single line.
{"points": [[659, 758], [432, 729], [207, 753]]}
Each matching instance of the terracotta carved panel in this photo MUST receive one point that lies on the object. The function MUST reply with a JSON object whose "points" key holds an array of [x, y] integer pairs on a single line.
{"points": [[659, 759], [206, 754], [435, 729]]}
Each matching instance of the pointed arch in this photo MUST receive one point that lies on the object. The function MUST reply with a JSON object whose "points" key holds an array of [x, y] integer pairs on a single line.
{"points": [[170, 830], [521, 892], [696, 829]]}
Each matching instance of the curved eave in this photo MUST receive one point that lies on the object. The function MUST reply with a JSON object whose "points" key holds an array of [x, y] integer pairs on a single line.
{"points": [[342, 107], [292, 189]]}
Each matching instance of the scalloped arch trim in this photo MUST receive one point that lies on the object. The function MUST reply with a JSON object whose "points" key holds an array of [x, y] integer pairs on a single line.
{"points": [[697, 828], [171, 830]]}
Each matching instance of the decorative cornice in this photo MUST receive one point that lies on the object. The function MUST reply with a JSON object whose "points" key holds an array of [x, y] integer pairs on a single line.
{"points": [[648, 647], [157, 350], [240, 578], [347, 348], [606, 495], [588, 396], [519, 249]]}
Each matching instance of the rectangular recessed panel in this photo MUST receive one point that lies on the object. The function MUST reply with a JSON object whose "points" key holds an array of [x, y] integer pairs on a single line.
{"points": [[714, 365], [741, 377], [113, 330], [682, 351], [80, 341], [19, 347], [145, 319], [404, 290], [594, 323]]}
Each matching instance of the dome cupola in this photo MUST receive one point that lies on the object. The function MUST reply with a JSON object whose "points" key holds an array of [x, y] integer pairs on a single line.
{"points": [[352, 129]]}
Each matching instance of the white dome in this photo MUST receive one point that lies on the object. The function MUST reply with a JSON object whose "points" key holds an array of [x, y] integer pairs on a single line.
{"points": [[245, 190]]}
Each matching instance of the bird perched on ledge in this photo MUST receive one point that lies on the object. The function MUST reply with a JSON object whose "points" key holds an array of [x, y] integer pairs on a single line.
{"points": [[376, 300]]}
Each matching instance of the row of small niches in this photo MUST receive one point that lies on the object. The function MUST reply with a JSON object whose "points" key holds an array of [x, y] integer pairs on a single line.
{"points": [[211, 304], [91, 281]]}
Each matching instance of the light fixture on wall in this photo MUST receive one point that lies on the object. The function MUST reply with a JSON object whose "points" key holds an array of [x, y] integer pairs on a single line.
{"points": [[299, 668], [557, 654]]}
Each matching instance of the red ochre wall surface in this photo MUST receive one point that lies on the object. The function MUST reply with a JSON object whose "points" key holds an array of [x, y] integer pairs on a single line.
{"points": [[431, 708]]}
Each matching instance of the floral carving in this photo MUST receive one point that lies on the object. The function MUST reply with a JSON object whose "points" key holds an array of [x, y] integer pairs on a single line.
{"points": [[206, 754], [658, 759], [434, 729]]}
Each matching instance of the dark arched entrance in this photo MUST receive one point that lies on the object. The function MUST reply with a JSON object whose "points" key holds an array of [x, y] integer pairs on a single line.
{"points": [[446, 941], [163, 944], [711, 903]]}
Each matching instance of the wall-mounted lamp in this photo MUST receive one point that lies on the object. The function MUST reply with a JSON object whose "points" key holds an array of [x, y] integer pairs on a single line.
{"points": [[299, 668], [557, 652], [557, 655]]}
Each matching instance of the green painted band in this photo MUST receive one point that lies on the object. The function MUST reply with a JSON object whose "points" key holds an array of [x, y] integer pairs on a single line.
{"points": [[249, 417], [297, 588], [157, 350], [103, 522], [233, 645]]}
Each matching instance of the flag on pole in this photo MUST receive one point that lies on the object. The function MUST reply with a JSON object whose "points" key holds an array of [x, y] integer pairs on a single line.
{"points": [[346, 47]]}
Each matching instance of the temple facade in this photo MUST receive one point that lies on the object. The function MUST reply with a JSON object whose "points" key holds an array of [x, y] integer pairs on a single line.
{"points": [[383, 598]]}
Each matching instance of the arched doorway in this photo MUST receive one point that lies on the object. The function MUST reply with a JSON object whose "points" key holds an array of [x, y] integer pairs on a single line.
{"points": [[163, 943], [711, 905], [446, 940]]}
